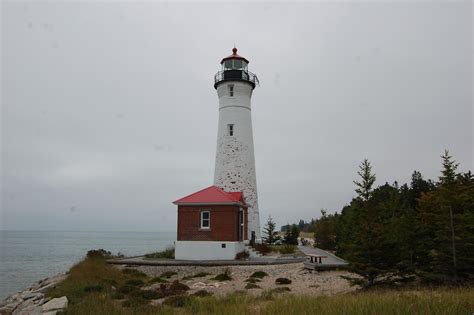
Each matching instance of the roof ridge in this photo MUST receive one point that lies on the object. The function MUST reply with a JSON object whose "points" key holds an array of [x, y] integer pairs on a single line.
{"points": [[223, 192]]}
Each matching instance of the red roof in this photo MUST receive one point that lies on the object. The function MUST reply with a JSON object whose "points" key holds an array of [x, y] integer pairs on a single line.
{"points": [[212, 194], [234, 56]]}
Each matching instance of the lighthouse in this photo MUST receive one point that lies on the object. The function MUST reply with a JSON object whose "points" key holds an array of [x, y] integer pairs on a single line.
{"points": [[235, 160]]}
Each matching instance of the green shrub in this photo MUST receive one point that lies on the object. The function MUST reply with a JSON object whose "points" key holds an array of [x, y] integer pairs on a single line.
{"points": [[126, 289], [168, 274], [135, 282], [197, 275], [176, 301], [259, 274], [283, 281], [133, 272], [149, 294], [262, 248], [158, 280], [226, 276], [243, 255], [251, 286], [167, 253], [99, 253], [93, 288]]}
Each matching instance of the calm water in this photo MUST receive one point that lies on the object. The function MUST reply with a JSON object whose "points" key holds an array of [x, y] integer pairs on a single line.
{"points": [[26, 257]]}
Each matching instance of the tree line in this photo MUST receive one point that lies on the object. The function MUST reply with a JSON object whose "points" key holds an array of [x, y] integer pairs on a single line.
{"points": [[394, 234]]}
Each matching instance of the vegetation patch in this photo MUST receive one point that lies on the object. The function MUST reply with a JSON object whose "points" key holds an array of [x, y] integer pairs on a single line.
{"points": [[94, 288], [126, 289], [202, 293], [134, 301], [157, 280], [135, 282], [168, 274], [251, 286], [259, 274], [176, 301], [284, 249], [167, 253], [146, 294], [117, 296], [225, 276], [243, 255], [252, 280], [134, 272], [197, 275], [283, 281], [280, 290]]}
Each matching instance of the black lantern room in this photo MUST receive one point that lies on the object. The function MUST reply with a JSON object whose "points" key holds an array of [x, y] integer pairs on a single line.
{"points": [[235, 68]]}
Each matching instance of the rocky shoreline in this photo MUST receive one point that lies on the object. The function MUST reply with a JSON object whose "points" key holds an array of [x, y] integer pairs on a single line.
{"points": [[33, 301]]}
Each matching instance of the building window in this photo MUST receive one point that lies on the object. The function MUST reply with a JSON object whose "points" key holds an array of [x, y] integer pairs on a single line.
{"points": [[231, 90], [205, 219], [230, 130]]}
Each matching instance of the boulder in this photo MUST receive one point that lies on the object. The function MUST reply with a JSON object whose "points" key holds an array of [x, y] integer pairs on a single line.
{"points": [[55, 304]]}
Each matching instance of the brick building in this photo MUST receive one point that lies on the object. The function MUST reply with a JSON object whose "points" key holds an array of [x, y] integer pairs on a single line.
{"points": [[212, 224]]}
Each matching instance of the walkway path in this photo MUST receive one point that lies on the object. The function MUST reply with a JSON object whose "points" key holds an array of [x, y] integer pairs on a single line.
{"points": [[330, 260]]}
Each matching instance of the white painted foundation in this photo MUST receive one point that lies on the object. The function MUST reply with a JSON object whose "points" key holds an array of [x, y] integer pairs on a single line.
{"points": [[207, 250]]}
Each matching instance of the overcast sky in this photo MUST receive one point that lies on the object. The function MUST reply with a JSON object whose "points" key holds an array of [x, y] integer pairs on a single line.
{"points": [[109, 111]]}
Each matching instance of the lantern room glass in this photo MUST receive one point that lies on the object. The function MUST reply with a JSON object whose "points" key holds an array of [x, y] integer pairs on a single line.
{"points": [[234, 64]]}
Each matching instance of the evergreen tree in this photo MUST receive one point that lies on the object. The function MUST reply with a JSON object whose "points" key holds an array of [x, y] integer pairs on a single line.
{"points": [[325, 231], [447, 220], [371, 246], [270, 235], [291, 235], [364, 187]]}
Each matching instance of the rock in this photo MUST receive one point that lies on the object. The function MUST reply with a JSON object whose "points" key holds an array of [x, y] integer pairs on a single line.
{"points": [[9, 308], [45, 288], [50, 313], [55, 304], [32, 295], [28, 308]]}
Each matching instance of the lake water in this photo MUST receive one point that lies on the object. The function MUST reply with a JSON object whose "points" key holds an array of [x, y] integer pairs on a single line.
{"points": [[26, 257]]}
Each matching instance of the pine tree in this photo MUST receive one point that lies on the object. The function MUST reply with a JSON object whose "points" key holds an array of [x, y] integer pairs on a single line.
{"points": [[367, 180], [447, 219], [291, 235], [270, 235]]}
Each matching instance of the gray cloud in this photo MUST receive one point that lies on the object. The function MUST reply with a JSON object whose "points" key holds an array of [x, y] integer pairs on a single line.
{"points": [[109, 113]]}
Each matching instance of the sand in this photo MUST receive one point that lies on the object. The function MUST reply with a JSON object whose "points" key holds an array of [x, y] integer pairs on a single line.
{"points": [[303, 281]]}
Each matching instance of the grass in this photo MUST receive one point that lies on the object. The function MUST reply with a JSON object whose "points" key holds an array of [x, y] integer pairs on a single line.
{"points": [[284, 249], [167, 253], [84, 280]]}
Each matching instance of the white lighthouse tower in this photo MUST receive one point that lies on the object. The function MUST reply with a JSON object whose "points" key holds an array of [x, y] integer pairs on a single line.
{"points": [[235, 161]]}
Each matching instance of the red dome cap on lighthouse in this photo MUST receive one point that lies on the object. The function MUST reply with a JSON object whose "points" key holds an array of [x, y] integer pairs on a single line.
{"points": [[234, 56]]}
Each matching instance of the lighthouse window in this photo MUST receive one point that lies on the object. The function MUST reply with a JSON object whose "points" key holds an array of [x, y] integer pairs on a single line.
{"points": [[230, 130], [228, 64], [231, 90], [205, 219], [237, 64]]}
